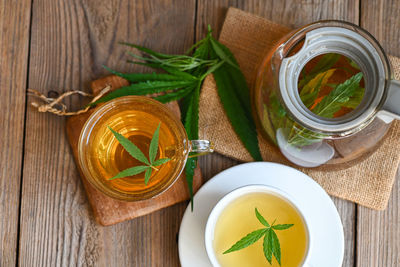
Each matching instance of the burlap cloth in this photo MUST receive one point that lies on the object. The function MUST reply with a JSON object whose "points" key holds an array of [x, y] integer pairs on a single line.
{"points": [[368, 183]]}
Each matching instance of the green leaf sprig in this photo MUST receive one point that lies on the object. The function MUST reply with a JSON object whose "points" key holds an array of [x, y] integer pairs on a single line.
{"points": [[235, 98], [182, 78], [271, 245], [150, 163], [347, 94], [340, 96]]}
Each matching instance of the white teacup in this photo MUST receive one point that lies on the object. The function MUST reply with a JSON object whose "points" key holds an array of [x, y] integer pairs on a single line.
{"points": [[233, 195]]}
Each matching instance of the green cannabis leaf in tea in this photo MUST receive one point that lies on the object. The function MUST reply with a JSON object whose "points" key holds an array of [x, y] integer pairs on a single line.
{"points": [[342, 95], [334, 83], [271, 245], [324, 90], [150, 163]]}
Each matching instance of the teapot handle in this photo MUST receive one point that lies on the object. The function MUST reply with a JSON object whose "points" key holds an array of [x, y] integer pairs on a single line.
{"points": [[391, 107]]}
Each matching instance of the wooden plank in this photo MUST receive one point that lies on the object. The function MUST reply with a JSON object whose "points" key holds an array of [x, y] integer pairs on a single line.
{"points": [[347, 212], [14, 48], [70, 41], [292, 14], [378, 233]]}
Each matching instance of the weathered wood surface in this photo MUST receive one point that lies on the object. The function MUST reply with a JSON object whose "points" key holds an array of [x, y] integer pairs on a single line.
{"points": [[69, 41], [378, 233], [14, 48]]}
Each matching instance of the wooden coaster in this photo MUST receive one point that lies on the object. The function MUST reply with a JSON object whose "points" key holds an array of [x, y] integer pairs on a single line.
{"points": [[108, 211]]}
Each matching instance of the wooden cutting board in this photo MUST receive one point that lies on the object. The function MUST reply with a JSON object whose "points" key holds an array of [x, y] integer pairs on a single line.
{"points": [[108, 211]]}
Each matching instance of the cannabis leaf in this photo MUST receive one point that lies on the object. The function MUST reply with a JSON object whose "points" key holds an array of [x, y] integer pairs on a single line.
{"points": [[247, 240], [327, 61], [282, 226], [356, 99], [154, 145], [310, 91], [261, 219], [135, 152], [271, 245], [145, 88], [334, 101], [347, 94], [267, 247], [130, 147], [130, 172], [235, 98]]}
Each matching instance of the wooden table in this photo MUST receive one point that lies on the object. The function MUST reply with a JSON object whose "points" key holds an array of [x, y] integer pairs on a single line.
{"points": [[52, 45]]}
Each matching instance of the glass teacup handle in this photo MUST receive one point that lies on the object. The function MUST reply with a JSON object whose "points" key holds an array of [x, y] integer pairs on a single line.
{"points": [[391, 107], [200, 147]]}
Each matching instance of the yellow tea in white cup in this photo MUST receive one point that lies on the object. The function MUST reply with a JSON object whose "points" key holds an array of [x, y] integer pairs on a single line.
{"points": [[236, 218]]}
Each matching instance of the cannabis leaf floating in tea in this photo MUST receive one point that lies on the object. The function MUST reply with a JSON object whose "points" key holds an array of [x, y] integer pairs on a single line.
{"points": [[135, 152], [330, 86], [271, 245]]}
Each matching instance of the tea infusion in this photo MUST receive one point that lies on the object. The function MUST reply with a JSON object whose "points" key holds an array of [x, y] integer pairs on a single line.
{"points": [[237, 220], [137, 123], [330, 85]]}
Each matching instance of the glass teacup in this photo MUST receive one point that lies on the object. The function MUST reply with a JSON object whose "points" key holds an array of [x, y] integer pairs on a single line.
{"points": [[101, 157]]}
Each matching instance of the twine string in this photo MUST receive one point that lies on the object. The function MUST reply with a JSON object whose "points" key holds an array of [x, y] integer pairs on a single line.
{"points": [[51, 104]]}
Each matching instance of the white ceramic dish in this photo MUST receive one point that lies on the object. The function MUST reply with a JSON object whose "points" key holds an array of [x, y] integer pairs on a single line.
{"points": [[322, 217]]}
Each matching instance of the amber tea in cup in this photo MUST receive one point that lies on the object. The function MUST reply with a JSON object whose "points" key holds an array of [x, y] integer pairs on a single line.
{"points": [[102, 157]]}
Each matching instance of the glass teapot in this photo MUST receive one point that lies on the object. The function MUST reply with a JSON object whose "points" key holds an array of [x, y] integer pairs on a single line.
{"points": [[325, 94]]}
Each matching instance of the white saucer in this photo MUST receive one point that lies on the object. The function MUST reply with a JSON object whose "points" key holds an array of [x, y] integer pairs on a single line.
{"points": [[316, 205]]}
